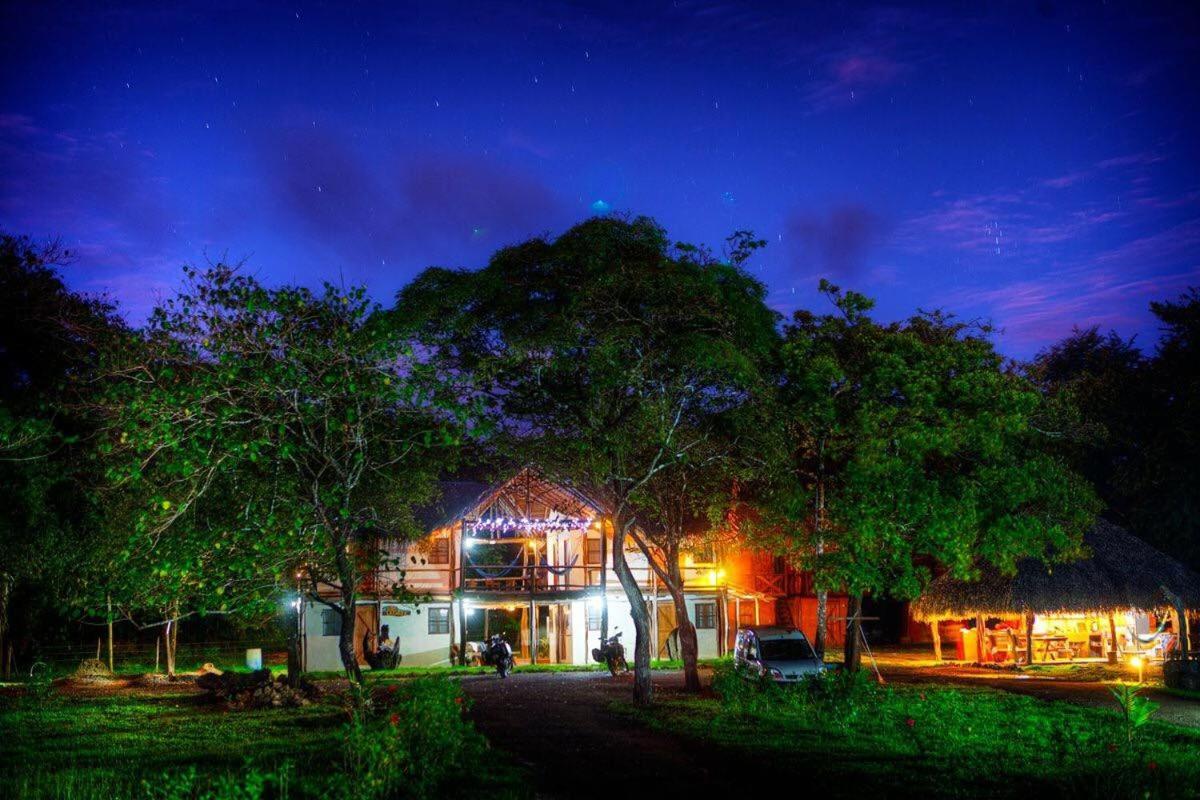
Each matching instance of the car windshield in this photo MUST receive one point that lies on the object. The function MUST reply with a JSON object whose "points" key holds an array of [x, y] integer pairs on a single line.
{"points": [[785, 650]]}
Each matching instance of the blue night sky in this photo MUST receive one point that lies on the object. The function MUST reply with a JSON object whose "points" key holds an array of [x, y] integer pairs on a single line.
{"points": [[1034, 163]]}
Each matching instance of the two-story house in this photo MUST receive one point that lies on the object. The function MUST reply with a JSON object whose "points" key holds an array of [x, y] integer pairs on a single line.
{"points": [[533, 559]]}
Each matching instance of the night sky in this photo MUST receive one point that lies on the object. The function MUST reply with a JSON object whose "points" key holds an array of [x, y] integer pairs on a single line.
{"points": [[1034, 163]]}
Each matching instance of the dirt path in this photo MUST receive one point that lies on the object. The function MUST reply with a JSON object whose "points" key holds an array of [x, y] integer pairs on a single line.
{"points": [[562, 726]]}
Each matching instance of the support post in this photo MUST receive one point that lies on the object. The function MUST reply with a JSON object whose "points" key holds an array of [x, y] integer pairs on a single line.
{"points": [[533, 631], [756, 617], [462, 594], [937, 641], [1028, 640], [980, 634], [1112, 640], [603, 584]]}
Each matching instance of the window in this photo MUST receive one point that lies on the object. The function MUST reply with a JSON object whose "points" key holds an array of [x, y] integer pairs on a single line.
{"points": [[593, 616], [440, 554], [331, 622], [439, 620], [706, 616], [593, 551]]}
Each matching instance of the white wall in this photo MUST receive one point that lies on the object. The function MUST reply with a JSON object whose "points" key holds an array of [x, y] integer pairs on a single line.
{"points": [[321, 652], [418, 647], [706, 640]]}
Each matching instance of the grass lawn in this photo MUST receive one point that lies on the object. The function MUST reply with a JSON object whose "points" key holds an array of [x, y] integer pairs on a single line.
{"points": [[144, 743], [936, 741]]}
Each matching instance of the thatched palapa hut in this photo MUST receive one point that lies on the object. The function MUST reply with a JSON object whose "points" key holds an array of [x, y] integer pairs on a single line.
{"points": [[1071, 608]]}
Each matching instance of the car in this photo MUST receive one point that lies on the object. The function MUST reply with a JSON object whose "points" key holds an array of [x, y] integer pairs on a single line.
{"points": [[782, 654]]}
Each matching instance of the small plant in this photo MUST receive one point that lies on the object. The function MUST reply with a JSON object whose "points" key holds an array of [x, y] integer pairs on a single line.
{"points": [[250, 784], [40, 686], [1136, 709]]}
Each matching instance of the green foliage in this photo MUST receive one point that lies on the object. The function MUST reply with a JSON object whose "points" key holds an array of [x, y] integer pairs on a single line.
{"points": [[848, 736], [254, 432], [413, 744], [1130, 422], [168, 746], [917, 444], [1136, 709], [252, 783], [51, 340]]}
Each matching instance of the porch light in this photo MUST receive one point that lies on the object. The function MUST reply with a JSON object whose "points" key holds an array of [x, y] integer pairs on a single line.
{"points": [[1140, 664]]}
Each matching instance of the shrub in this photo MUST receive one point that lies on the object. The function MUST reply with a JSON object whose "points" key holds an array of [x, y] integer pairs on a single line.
{"points": [[412, 743]]}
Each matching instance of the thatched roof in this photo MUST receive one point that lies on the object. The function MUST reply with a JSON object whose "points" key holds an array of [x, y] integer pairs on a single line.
{"points": [[1123, 572]]}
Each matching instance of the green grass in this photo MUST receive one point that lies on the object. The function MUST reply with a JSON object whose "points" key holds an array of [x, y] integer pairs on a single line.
{"points": [[118, 745], [933, 741]]}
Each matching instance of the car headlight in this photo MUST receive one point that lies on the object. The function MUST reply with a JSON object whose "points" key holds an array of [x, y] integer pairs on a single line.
{"points": [[774, 673]]}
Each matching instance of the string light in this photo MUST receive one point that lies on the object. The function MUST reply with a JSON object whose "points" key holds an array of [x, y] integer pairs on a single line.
{"points": [[540, 525]]}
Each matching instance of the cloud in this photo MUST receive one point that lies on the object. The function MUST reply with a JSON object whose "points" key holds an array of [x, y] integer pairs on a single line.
{"points": [[102, 194], [381, 205], [838, 241], [851, 76]]}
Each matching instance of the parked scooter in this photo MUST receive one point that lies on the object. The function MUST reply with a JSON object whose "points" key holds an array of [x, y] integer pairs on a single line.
{"points": [[612, 654], [499, 654]]}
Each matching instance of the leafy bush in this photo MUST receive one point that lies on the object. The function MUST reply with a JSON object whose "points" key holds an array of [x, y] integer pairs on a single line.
{"points": [[411, 743], [251, 784], [965, 733]]}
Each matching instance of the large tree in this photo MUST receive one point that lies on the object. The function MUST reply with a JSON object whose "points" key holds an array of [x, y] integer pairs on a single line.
{"points": [[50, 343], [1132, 421], [602, 352], [278, 434], [679, 510], [907, 444]]}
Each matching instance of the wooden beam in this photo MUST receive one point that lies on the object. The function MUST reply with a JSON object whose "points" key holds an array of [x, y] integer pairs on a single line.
{"points": [[1028, 640], [980, 635], [937, 641]]}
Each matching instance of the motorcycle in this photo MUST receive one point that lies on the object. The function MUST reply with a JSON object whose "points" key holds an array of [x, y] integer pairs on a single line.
{"points": [[612, 654], [499, 654]]}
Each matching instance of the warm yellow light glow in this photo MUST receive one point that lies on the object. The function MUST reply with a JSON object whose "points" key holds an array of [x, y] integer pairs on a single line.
{"points": [[1136, 662], [712, 577]]}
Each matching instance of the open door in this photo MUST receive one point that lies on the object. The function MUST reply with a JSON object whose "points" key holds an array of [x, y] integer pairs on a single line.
{"points": [[366, 621], [666, 626]]}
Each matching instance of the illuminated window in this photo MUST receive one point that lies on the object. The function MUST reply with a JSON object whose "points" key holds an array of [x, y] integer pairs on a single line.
{"points": [[706, 616], [331, 622], [593, 617], [439, 620], [441, 551]]}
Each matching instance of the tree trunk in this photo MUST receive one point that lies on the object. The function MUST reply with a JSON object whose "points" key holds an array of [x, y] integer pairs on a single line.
{"points": [[822, 621], [819, 550], [168, 647], [643, 691], [689, 648], [852, 659], [292, 620], [349, 582], [5, 591], [110, 634]]}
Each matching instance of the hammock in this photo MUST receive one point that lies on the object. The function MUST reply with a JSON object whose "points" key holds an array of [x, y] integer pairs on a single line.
{"points": [[558, 570], [1147, 638], [496, 572]]}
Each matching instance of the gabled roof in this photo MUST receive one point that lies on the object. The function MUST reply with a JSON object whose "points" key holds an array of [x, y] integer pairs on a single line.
{"points": [[465, 499], [1122, 572]]}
